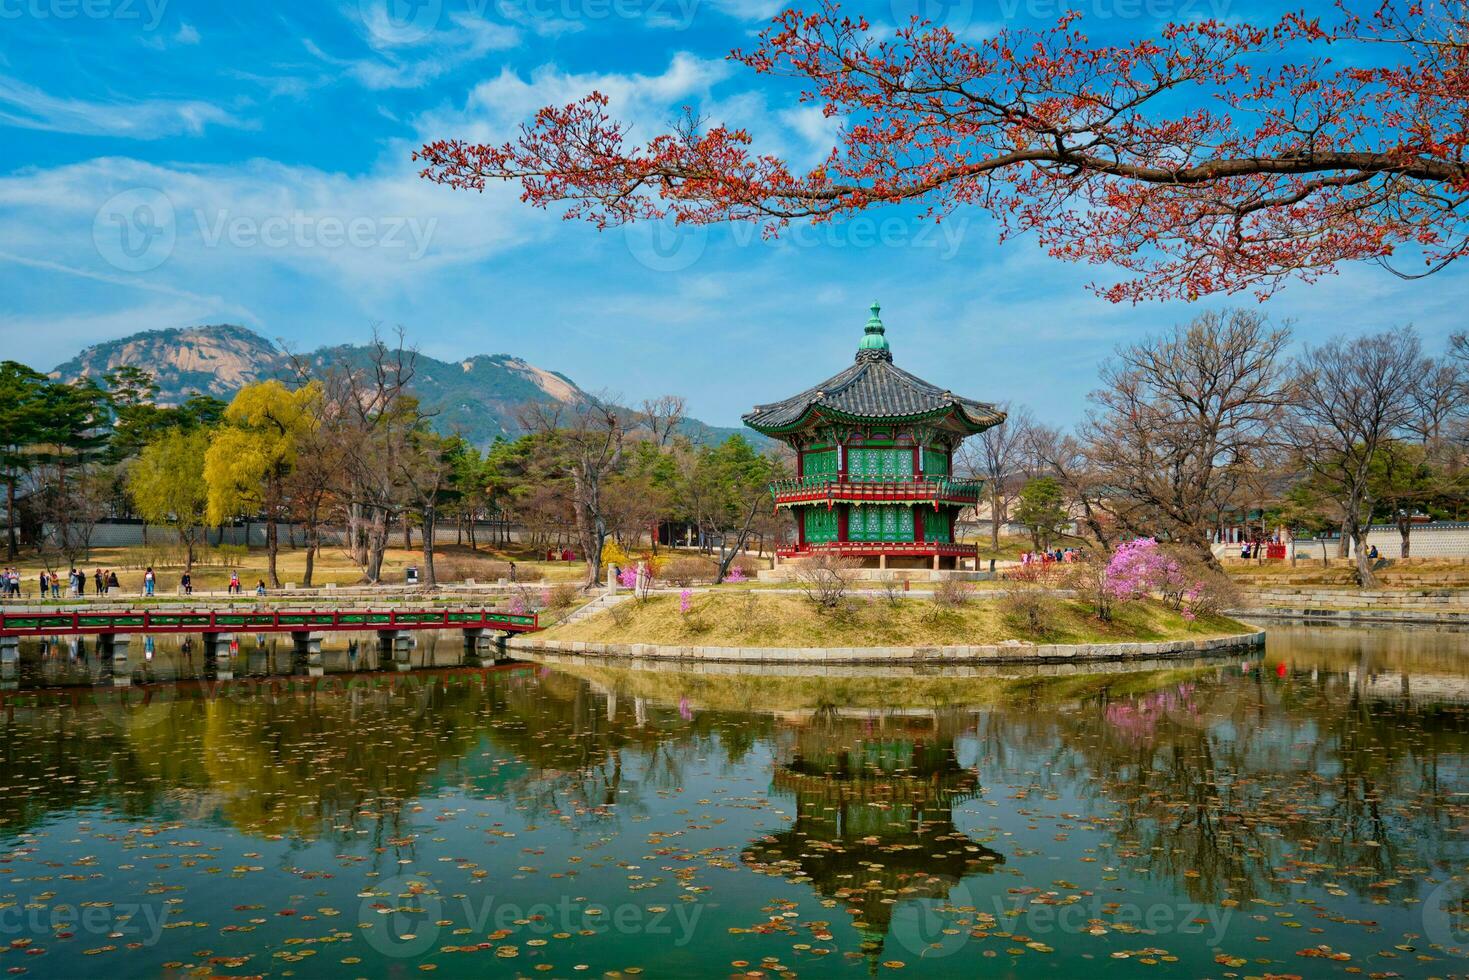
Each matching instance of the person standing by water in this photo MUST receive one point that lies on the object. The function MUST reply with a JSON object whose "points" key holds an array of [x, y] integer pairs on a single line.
{"points": [[99, 581], [56, 585], [186, 582], [148, 581], [112, 582], [234, 588]]}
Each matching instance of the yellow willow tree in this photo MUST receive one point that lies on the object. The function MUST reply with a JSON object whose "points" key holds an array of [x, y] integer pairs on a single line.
{"points": [[167, 485], [254, 451]]}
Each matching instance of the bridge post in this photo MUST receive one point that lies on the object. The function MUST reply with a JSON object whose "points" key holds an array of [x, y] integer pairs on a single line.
{"points": [[483, 647], [308, 652], [397, 643], [218, 655], [115, 645]]}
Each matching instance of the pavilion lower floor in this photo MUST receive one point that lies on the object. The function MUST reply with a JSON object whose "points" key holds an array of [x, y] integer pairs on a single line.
{"points": [[935, 555]]}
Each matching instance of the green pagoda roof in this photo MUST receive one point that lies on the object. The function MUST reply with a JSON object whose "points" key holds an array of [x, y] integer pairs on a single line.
{"points": [[872, 389]]}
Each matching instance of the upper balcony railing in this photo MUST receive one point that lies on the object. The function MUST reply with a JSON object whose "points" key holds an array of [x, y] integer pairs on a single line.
{"points": [[919, 487]]}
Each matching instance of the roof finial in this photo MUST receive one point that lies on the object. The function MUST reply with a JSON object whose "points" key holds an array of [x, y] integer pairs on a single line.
{"points": [[874, 340]]}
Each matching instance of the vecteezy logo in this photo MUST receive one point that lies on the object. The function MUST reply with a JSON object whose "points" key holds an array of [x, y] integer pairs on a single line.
{"points": [[404, 914], [400, 21], [665, 245], [956, 15], [1446, 917], [135, 230], [928, 927]]}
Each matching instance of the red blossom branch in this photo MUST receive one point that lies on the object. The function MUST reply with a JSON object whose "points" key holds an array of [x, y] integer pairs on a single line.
{"points": [[1214, 158]]}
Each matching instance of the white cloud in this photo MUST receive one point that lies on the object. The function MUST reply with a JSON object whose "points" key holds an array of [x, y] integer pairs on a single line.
{"points": [[28, 107], [411, 55], [495, 107], [187, 34]]}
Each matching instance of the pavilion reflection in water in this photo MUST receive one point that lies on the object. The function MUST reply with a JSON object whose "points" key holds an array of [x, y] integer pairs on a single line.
{"points": [[874, 824]]}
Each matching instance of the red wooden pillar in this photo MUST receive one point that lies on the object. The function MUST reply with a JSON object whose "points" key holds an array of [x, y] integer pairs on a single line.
{"points": [[918, 514], [842, 510], [800, 515], [917, 463]]}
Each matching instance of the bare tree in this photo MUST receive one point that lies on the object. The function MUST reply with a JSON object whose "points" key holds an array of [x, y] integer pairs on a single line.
{"points": [[1353, 396], [372, 417], [663, 415], [1177, 415], [1064, 457], [1438, 398], [590, 435], [997, 455]]}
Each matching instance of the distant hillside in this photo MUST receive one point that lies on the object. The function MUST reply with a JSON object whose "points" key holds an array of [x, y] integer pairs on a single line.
{"points": [[480, 397]]}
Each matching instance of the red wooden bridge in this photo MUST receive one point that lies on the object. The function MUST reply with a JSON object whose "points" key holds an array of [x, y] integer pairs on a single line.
{"points": [[82, 623]]}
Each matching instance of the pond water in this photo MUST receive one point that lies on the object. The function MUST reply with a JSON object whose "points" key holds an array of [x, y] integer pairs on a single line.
{"points": [[1301, 812]]}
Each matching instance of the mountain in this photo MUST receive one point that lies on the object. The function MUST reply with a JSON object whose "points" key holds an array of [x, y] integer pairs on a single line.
{"points": [[480, 397], [215, 360]]}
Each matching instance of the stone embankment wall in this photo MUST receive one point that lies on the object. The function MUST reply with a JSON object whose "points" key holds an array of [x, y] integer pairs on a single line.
{"points": [[998, 653]]}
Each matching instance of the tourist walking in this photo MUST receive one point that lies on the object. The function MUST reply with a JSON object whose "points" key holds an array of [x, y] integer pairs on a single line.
{"points": [[148, 581], [45, 583], [56, 585], [78, 583], [234, 588], [260, 587], [99, 581]]}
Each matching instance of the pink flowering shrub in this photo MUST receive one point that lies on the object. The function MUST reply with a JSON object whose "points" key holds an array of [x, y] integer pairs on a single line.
{"points": [[685, 602], [628, 578], [736, 574], [1142, 567]]}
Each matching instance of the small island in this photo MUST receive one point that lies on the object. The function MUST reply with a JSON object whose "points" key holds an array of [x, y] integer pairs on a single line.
{"points": [[779, 627]]}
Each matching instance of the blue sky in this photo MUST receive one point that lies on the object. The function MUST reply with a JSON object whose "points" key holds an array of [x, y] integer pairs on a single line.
{"points": [[264, 152]]}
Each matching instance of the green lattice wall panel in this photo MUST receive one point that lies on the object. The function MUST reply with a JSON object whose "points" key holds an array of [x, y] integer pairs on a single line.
{"points": [[874, 465], [935, 525], [935, 463], [880, 523], [817, 465], [821, 524]]}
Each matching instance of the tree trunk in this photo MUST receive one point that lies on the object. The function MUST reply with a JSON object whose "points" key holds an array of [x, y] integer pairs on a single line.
{"points": [[1343, 546], [313, 542], [739, 541], [1366, 579], [12, 546], [1405, 528], [430, 517], [994, 519], [377, 544], [407, 534], [272, 546]]}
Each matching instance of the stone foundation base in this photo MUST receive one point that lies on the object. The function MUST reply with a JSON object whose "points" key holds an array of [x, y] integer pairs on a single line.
{"points": [[997, 653]]}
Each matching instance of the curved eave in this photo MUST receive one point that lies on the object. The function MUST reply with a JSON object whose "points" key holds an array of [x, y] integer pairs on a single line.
{"points": [[971, 422]]}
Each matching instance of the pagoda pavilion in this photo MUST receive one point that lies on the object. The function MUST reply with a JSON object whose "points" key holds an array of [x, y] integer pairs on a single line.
{"points": [[875, 461]]}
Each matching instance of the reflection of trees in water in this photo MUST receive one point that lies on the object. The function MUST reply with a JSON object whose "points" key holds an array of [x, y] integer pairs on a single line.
{"points": [[874, 824], [591, 751], [338, 755], [1245, 775]]}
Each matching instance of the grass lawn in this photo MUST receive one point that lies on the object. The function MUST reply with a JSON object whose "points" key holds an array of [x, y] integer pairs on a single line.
{"points": [[761, 619]]}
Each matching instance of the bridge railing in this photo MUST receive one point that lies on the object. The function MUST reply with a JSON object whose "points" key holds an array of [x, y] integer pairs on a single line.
{"points": [[262, 621]]}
